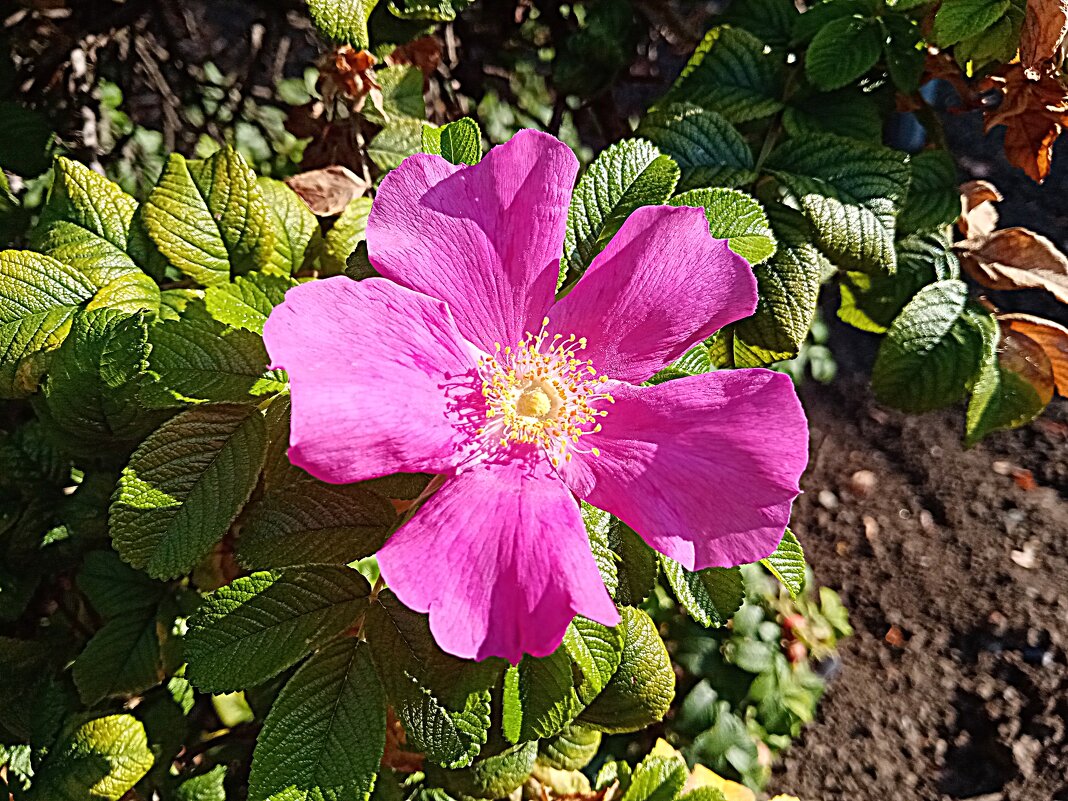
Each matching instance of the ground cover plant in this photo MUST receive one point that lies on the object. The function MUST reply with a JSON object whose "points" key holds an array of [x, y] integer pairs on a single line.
{"points": [[292, 469]]}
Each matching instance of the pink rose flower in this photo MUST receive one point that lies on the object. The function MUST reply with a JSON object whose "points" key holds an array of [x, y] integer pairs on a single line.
{"points": [[459, 361]]}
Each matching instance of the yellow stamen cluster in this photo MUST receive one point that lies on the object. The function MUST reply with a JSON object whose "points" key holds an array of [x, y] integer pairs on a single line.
{"points": [[539, 391]]}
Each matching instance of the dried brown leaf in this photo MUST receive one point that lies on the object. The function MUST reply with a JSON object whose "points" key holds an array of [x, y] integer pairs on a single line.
{"points": [[329, 190], [1034, 111], [1020, 354], [1016, 258], [979, 216], [1044, 29], [1050, 336]]}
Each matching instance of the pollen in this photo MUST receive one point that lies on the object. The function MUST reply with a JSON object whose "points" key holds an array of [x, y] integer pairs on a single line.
{"points": [[539, 391]]}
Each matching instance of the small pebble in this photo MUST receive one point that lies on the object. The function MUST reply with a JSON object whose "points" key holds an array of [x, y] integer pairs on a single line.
{"points": [[1025, 557], [828, 500], [862, 482]]}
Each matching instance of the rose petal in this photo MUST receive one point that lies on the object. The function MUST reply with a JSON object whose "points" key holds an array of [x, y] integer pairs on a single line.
{"points": [[500, 559], [704, 468], [376, 372], [486, 239], [662, 285]]}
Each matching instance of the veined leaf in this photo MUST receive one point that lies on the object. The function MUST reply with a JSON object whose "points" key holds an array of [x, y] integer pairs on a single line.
{"points": [[203, 787], [101, 760], [542, 700], [657, 778], [114, 588], [963, 19], [399, 95], [627, 175], [343, 20], [851, 192], [209, 218], [259, 625], [309, 522], [709, 150], [932, 351], [933, 199], [294, 225], [846, 112], [394, 143], [324, 736], [598, 524], [709, 596], [122, 658], [185, 485], [572, 749], [349, 230], [787, 564], [596, 650], [843, 51], [636, 564], [443, 702], [458, 142], [736, 217], [247, 302], [771, 21], [730, 73], [197, 359], [490, 777], [38, 298]]}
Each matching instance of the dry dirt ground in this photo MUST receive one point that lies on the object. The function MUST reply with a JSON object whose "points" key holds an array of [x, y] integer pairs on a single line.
{"points": [[954, 564]]}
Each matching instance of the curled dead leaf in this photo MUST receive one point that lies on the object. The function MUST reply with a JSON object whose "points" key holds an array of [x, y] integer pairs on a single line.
{"points": [[1034, 111], [1016, 258], [1050, 336], [1043, 33], [1020, 354], [979, 216], [329, 190]]}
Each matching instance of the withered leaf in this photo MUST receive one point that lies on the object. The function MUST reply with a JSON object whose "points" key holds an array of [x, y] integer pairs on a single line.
{"points": [[1043, 33], [1034, 112], [979, 216], [1050, 336], [1016, 258], [329, 190], [1022, 355]]}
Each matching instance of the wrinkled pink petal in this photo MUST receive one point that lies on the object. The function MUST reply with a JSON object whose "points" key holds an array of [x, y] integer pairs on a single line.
{"points": [[662, 285], [704, 468], [500, 559], [376, 375], [486, 239]]}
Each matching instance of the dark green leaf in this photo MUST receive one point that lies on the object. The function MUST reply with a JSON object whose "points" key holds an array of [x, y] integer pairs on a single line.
{"points": [[736, 217], [707, 148], [843, 51], [458, 142], [596, 651], [343, 20], [933, 199], [787, 564], [710, 596]]}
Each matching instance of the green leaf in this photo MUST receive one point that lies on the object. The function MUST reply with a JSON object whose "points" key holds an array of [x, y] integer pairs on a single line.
{"points": [[443, 702], [843, 51], [90, 398], [709, 596], [847, 112], [343, 20], [963, 19], [641, 690], [205, 787], [771, 21], [850, 191], [1015, 382], [85, 223], [324, 736], [787, 564], [294, 225], [871, 303], [458, 142], [730, 73], [598, 525], [541, 700], [905, 52], [114, 588], [247, 302], [209, 218], [932, 352], [998, 43], [395, 142], [349, 230], [636, 564], [657, 778], [399, 95], [596, 650], [122, 658], [185, 485], [259, 625], [736, 217], [933, 200], [489, 777], [572, 749], [101, 760], [709, 150], [310, 522], [38, 298], [196, 359], [627, 175]]}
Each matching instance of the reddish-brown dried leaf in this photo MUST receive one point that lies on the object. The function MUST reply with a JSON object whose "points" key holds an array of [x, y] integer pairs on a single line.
{"points": [[1016, 258], [1020, 354], [1050, 336], [1044, 29], [423, 53], [979, 216], [329, 190], [1034, 112]]}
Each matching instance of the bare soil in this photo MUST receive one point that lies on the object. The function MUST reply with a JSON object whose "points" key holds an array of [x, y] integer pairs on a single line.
{"points": [[954, 565]]}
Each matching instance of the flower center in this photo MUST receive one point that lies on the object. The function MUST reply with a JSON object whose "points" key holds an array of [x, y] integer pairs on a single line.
{"points": [[539, 391]]}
